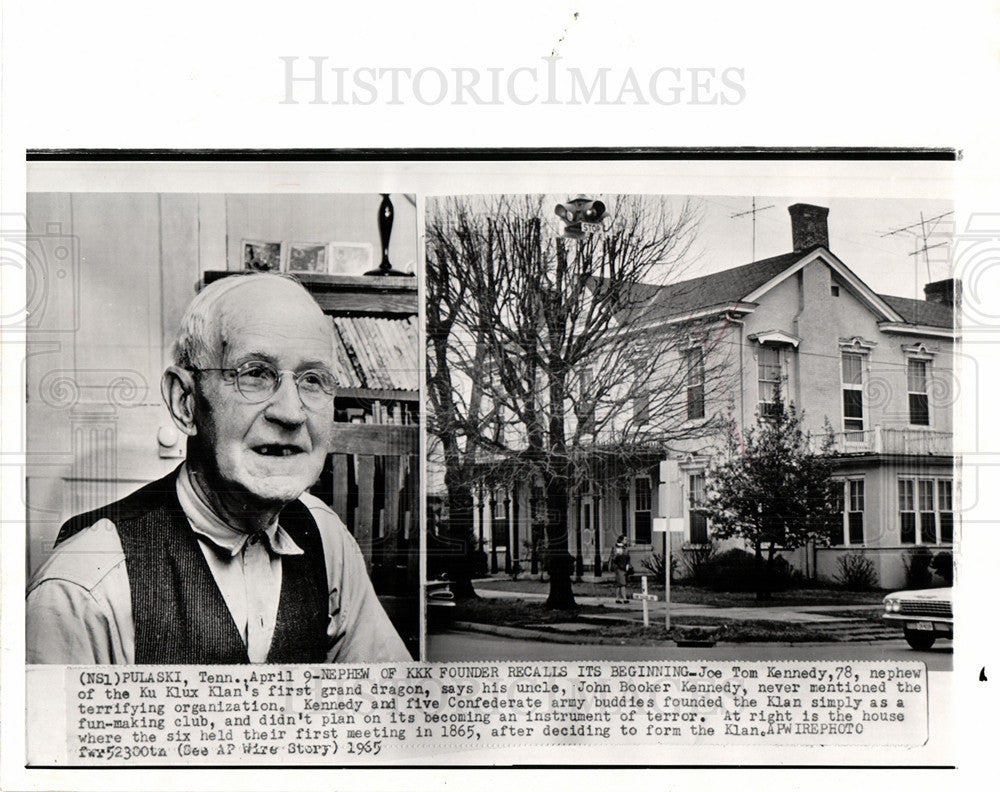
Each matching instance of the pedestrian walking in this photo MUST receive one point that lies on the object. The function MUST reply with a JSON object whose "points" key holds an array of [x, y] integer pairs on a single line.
{"points": [[622, 565]]}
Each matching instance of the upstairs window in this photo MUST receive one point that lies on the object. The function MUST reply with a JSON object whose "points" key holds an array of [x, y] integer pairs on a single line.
{"points": [[916, 385], [640, 409], [768, 380], [586, 401], [852, 381], [695, 363]]}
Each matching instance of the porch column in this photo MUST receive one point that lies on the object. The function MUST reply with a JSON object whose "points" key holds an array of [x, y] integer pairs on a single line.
{"points": [[494, 567], [510, 531], [515, 529], [578, 502], [598, 552]]}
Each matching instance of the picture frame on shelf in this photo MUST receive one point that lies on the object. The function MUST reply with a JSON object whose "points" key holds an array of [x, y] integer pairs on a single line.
{"points": [[350, 258], [261, 255], [308, 257]]}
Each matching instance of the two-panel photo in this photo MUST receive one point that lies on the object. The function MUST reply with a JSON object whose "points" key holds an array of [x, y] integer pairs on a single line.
{"points": [[373, 428]]}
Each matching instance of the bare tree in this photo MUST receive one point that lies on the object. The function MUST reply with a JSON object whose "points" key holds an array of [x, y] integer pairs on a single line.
{"points": [[569, 367]]}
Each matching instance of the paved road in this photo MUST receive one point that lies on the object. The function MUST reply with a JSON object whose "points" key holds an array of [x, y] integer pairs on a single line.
{"points": [[456, 646]]}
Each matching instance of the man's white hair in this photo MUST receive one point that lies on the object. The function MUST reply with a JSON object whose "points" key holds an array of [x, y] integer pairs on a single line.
{"points": [[201, 331]]}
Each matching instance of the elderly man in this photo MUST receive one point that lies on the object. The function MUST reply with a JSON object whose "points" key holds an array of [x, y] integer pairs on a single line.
{"points": [[226, 560]]}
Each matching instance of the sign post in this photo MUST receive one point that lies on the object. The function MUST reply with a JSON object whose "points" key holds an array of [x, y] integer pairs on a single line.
{"points": [[662, 524], [646, 598]]}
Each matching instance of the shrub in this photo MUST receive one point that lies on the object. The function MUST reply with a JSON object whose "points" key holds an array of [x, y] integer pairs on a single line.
{"points": [[856, 573], [944, 566], [737, 570], [697, 562], [653, 563], [916, 566]]}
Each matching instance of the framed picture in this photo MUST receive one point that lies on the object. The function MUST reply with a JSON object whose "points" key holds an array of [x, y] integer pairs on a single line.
{"points": [[308, 257], [350, 258], [261, 256]]}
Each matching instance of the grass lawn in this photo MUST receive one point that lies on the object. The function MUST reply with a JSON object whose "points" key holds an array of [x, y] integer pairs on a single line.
{"points": [[693, 595], [534, 614]]}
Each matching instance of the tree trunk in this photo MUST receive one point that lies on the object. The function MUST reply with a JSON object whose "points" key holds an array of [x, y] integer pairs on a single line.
{"points": [[560, 561], [462, 551], [761, 573]]}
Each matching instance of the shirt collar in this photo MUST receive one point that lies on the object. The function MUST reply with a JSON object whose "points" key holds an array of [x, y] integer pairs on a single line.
{"points": [[210, 526]]}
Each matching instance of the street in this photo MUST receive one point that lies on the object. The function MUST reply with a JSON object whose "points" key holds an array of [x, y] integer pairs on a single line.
{"points": [[457, 646]]}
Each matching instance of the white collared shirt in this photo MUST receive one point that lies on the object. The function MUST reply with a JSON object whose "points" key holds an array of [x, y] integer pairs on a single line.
{"points": [[246, 567]]}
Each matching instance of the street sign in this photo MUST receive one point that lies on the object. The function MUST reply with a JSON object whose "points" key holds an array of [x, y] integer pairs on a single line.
{"points": [[647, 597], [661, 524]]}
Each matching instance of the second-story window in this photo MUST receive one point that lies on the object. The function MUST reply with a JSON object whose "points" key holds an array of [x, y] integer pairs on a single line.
{"points": [[916, 385], [695, 362], [852, 380], [640, 408], [586, 402], [768, 380]]}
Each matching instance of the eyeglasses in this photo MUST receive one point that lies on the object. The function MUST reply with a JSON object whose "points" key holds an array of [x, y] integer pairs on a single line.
{"points": [[257, 382]]}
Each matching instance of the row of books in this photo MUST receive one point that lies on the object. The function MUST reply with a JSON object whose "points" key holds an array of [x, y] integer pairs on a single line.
{"points": [[393, 413], [376, 353]]}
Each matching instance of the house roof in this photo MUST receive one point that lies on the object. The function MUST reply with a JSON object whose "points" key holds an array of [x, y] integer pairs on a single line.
{"points": [[727, 286], [921, 312], [731, 286]]}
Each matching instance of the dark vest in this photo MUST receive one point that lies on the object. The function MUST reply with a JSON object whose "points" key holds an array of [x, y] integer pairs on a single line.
{"points": [[179, 613]]}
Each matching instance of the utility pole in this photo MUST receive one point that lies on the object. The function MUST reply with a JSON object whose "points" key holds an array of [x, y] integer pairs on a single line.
{"points": [[752, 211]]}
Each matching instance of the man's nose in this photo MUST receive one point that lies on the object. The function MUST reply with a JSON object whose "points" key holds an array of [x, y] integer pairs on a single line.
{"points": [[285, 406]]}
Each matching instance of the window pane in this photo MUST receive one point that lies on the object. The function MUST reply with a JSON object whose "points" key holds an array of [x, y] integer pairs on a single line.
{"points": [[857, 495], [926, 495], [928, 528], [852, 404], [696, 402], [856, 527], [944, 495], [640, 408], [642, 494], [905, 495], [852, 368], [768, 364], [908, 528], [916, 376], [837, 520], [768, 390], [699, 527], [920, 413], [947, 527], [643, 528], [696, 489]]}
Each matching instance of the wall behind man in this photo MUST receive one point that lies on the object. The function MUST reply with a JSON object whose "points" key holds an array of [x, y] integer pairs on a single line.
{"points": [[109, 278]]}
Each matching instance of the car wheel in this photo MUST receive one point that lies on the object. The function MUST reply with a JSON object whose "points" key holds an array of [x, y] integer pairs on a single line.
{"points": [[919, 639]]}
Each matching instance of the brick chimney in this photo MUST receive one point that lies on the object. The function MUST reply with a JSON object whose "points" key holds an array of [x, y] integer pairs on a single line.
{"points": [[808, 226], [944, 291]]}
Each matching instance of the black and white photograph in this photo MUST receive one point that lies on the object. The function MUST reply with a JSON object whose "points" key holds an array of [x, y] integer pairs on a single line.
{"points": [[223, 457], [691, 427]]}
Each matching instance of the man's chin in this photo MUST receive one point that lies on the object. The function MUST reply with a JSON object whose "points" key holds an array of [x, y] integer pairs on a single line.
{"points": [[282, 485]]}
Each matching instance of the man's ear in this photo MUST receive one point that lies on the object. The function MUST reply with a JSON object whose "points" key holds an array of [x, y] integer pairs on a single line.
{"points": [[177, 388]]}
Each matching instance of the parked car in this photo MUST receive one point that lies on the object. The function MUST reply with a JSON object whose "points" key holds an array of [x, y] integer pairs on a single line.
{"points": [[925, 615]]}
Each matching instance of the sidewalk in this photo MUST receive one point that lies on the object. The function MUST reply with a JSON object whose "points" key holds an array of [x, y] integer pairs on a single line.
{"points": [[804, 614]]}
